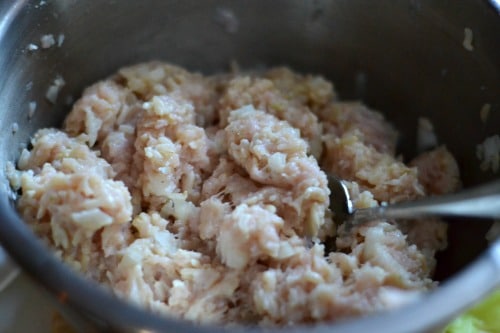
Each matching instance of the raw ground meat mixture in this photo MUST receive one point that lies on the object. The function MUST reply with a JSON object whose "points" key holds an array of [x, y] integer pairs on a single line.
{"points": [[205, 197]]}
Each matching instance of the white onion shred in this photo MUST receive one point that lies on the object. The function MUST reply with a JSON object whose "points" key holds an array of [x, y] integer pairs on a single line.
{"points": [[227, 19], [47, 41], [485, 112], [54, 89], [468, 39], [14, 128], [60, 40], [488, 153], [426, 137], [31, 109], [32, 47]]}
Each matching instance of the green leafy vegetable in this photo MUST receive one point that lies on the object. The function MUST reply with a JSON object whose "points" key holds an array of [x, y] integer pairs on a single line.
{"points": [[483, 318]]}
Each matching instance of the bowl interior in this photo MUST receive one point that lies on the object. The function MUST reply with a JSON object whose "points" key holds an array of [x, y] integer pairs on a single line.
{"points": [[403, 58]]}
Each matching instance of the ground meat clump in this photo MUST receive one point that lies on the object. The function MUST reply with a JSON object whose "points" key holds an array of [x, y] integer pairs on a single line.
{"points": [[207, 197]]}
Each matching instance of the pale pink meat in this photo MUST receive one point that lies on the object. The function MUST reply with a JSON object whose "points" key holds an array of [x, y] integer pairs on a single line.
{"points": [[206, 198], [311, 90], [172, 153], [369, 126], [273, 153], [151, 79], [265, 96], [106, 115], [69, 198], [103, 107], [383, 175], [438, 171]]}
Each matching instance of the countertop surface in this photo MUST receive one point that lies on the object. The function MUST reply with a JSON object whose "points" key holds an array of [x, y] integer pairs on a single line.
{"points": [[24, 308]]}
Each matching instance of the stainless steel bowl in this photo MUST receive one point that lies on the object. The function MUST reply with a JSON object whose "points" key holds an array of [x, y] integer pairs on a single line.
{"points": [[405, 58]]}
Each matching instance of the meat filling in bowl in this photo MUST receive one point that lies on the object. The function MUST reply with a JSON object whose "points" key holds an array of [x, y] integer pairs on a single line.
{"points": [[206, 197]]}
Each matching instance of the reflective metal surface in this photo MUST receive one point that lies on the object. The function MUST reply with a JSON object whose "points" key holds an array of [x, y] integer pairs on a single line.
{"points": [[478, 202], [405, 58]]}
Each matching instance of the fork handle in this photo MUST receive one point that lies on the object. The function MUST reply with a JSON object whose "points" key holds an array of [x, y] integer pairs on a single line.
{"points": [[481, 202]]}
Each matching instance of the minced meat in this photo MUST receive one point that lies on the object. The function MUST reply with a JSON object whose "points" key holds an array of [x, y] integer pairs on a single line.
{"points": [[206, 198]]}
